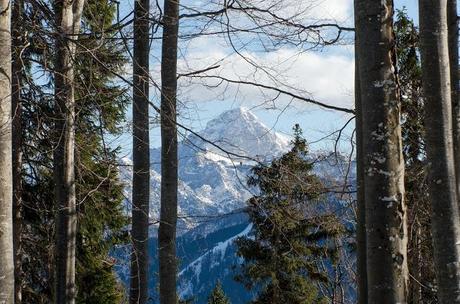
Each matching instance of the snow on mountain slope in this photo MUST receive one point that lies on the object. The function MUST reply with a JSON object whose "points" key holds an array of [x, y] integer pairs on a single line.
{"points": [[212, 181], [240, 132], [212, 184], [192, 275]]}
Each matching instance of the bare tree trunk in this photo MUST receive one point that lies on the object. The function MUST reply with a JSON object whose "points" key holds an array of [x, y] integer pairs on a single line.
{"points": [[16, 71], [6, 176], [452, 20], [386, 228], [440, 152], [361, 206], [68, 15], [169, 162], [141, 156]]}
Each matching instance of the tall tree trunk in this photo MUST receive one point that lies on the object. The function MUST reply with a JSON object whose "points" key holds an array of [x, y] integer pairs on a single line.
{"points": [[68, 13], [141, 156], [361, 206], [452, 20], [169, 162], [16, 71], [386, 227], [440, 153], [6, 170]]}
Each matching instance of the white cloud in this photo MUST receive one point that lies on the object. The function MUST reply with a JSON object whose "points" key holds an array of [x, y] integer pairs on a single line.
{"points": [[339, 10], [323, 76]]}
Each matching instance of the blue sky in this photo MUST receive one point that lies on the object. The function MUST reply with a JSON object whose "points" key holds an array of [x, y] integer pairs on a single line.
{"points": [[325, 75], [411, 5]]}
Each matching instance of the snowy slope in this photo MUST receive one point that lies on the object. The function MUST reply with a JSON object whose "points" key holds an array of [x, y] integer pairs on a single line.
{"points": [[192, 276]]}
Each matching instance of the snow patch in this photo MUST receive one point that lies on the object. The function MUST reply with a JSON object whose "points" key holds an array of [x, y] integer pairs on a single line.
{"points": [[216, 255]]}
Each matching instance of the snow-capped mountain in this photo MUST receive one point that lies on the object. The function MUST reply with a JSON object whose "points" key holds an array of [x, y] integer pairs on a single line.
{"points": [[213, 166], [240, 132]]}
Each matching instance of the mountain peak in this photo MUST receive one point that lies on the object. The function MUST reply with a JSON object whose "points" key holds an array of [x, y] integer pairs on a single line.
{"points": [[234, 116], [240, 131]]}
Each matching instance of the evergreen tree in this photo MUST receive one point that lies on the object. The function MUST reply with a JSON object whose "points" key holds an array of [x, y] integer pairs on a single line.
{"points": [[291, 234], [101, 107], [420, 256], [218, 296]]}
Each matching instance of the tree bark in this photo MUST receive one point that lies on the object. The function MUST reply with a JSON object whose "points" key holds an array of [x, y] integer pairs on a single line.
{"points": [[16, 71], [452, 20], [6, 170], [440, 152], [141, 156], [169, 161], [386, 228], [68, 15], [361, 206]]}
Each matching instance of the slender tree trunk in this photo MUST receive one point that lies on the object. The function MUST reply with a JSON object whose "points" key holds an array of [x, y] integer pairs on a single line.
{"points": [[440, 152], [68, 15], [386, 228], [6, 176], [169, 162], [16, 71], [452, 20], [141, 156], [361, 206]]}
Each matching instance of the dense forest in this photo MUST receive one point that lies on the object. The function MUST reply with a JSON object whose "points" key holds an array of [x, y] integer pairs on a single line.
{"points": [[133, 168]]}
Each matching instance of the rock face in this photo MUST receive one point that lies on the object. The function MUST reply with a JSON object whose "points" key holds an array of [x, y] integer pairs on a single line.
{"points": [[213, 171], [213, 167]]}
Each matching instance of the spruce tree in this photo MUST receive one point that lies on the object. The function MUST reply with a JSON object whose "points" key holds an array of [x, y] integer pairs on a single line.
{"points": [[420, 256], [101, 105], [218, 296], [291, 234]]}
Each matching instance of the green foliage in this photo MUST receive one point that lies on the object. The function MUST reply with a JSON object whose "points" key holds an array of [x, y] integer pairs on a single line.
{"points": [[420, 256], [101, 106], [410, 76], [291, 235], [218, 296]]}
